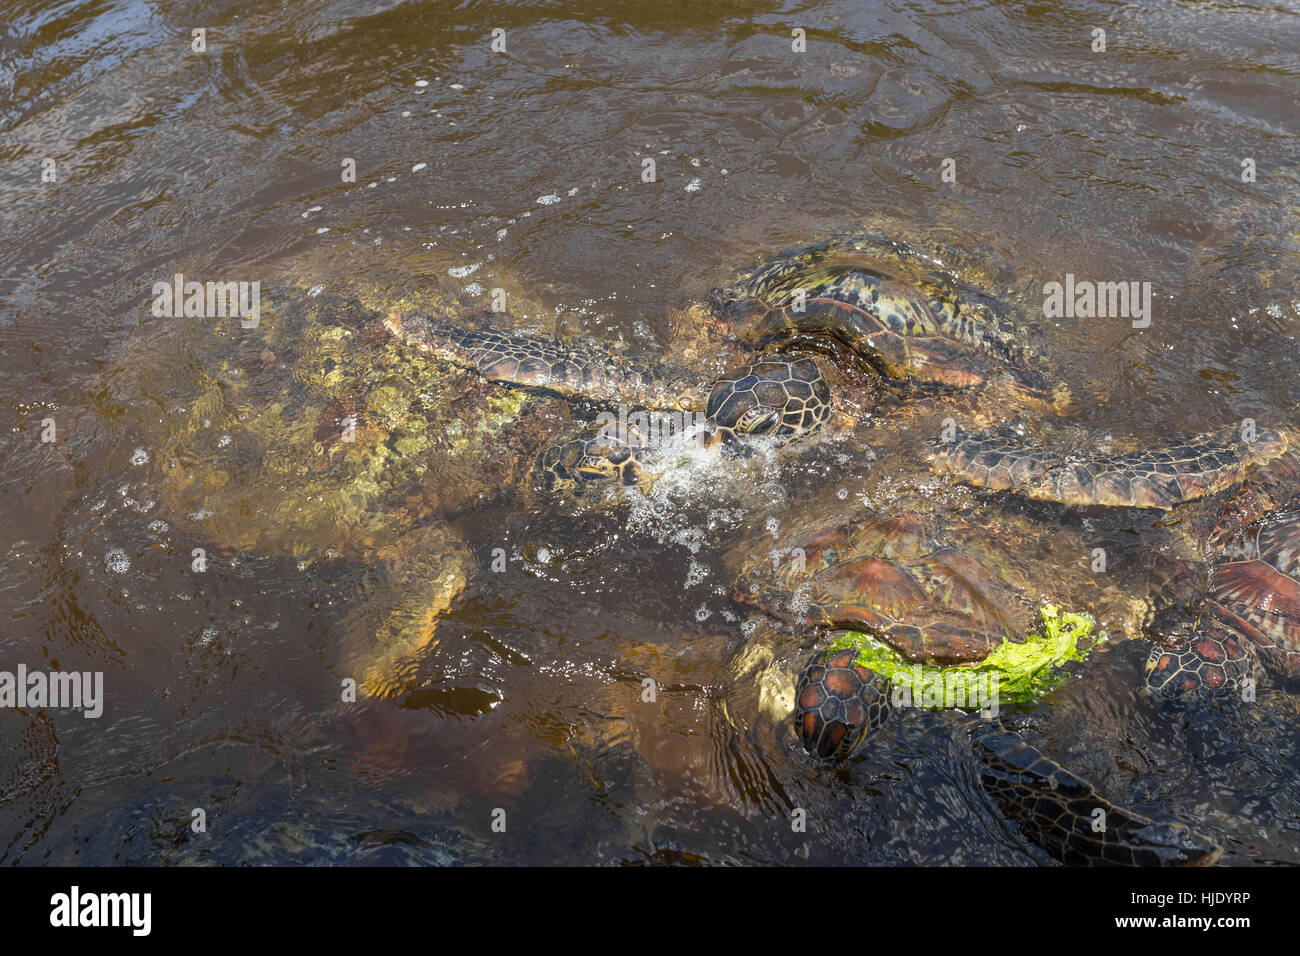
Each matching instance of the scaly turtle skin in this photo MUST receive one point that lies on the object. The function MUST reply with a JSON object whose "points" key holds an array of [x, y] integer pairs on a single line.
{"points": [[545, 362], [837, 704], [1255, 591], [776, 398], [601, 454], [1051, 806]]}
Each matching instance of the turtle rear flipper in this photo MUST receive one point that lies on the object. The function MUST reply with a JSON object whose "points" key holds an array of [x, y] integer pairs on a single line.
{"points": [[1064, 814], [1160, 477]]}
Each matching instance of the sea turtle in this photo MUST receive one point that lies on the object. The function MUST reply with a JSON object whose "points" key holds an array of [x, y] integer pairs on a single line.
{"points": [[936, 597], [315, 435], [939, 575]]}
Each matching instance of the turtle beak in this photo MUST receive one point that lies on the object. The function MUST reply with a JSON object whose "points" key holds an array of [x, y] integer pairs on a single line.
{"points": [[756, 422]]}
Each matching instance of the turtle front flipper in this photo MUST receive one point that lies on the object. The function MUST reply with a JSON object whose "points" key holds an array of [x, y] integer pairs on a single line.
{"points": [[1064, 814], [540, 361], [1160, 477], [415, 581]]}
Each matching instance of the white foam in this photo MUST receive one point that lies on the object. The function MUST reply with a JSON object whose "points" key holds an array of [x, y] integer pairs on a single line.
{"points": [[696, 573], [698, 494]]}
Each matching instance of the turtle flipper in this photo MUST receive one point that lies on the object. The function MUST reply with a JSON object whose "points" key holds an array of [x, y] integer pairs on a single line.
{"points": [[415, 581], [537, 360], [1160, 477], [1064, 814]]}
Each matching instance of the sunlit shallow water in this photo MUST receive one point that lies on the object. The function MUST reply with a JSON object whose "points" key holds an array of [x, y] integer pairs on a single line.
{"points": [[523, 170]]}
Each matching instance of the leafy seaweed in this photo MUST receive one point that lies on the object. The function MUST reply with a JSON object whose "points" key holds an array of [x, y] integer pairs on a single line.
{"points": [[1012, 673]]}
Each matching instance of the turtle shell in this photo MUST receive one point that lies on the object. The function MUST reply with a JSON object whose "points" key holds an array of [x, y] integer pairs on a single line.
{"points": [[316, 429], [889, 304], [945, 580], [935, 600]]}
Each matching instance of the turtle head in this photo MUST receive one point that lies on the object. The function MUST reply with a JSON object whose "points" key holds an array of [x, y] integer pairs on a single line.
{"points": [[1267, 445], [600, 455], [1214, 663], [838, 704], [776, 398]]}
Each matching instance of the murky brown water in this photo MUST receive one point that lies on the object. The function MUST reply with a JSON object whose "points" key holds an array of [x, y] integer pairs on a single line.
{"points": [[478, 169]]}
